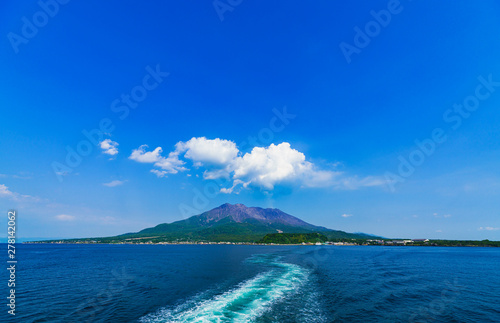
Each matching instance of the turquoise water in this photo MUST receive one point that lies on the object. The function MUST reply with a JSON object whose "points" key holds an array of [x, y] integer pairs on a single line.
{"points": [[245, 302], [224, 283]]}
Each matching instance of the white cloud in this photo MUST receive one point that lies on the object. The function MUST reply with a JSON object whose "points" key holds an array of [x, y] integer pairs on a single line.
{"points": [[172, 164], [231, 189], [346, 215], [488, 229], [263, 167], [280, 164], [114, 183], [216, 173], [142, 156], [159, 173], [208, 151], [65, 217], [439, 231], [277, 164], [447, 216], [5, 192], [109, 147]]}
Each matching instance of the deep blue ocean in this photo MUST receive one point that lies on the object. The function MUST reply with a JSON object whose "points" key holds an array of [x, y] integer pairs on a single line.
{"points": [[225, 283]]}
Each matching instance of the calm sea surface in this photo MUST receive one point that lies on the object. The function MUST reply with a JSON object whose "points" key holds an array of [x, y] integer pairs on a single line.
{"points": [[224, 283]]}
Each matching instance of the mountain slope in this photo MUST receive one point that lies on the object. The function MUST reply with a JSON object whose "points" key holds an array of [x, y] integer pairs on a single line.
{"points": [[271, 219], [233, 223]]}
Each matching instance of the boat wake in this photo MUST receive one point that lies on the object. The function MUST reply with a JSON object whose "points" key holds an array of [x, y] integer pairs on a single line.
{"points": [[243, 303]]}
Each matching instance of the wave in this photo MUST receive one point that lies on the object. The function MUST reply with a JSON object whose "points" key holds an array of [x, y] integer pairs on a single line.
{"points": [[245, 302]]}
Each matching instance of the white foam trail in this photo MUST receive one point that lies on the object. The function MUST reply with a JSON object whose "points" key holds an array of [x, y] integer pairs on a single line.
{"points": [[244, 303]]}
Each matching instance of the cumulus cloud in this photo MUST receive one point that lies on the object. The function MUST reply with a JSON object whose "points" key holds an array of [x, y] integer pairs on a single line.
{"points": [[276, 164], [114, 183], [65, 217], [171, 164], [142, 156], [488, 229], [346, 215], [208, 151], [109, 147], [262, 167]]}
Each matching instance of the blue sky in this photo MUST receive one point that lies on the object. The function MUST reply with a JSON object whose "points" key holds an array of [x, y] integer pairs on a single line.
{"points": [[257, 103]]}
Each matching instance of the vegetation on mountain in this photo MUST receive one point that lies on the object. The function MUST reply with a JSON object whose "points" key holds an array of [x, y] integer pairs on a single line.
{"points": [[293, 238], [226, 223]]}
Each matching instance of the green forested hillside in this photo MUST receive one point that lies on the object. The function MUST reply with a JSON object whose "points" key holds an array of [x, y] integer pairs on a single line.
{"points": [[293, 238], [231, 223]]}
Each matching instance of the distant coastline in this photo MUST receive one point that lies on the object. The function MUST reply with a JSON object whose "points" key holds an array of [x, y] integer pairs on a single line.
{"points": [[388, 242], [237, 224]]}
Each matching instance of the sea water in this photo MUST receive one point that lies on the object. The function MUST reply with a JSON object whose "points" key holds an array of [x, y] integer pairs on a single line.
{"points": [[230, 283]]}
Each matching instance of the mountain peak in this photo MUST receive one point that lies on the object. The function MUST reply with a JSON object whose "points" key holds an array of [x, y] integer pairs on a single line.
{"points": [[237, 221], [240, 213], [230, 205]]}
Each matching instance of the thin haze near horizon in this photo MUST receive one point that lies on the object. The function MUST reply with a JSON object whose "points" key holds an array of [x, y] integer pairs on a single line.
{"points": [[379, 117]]}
